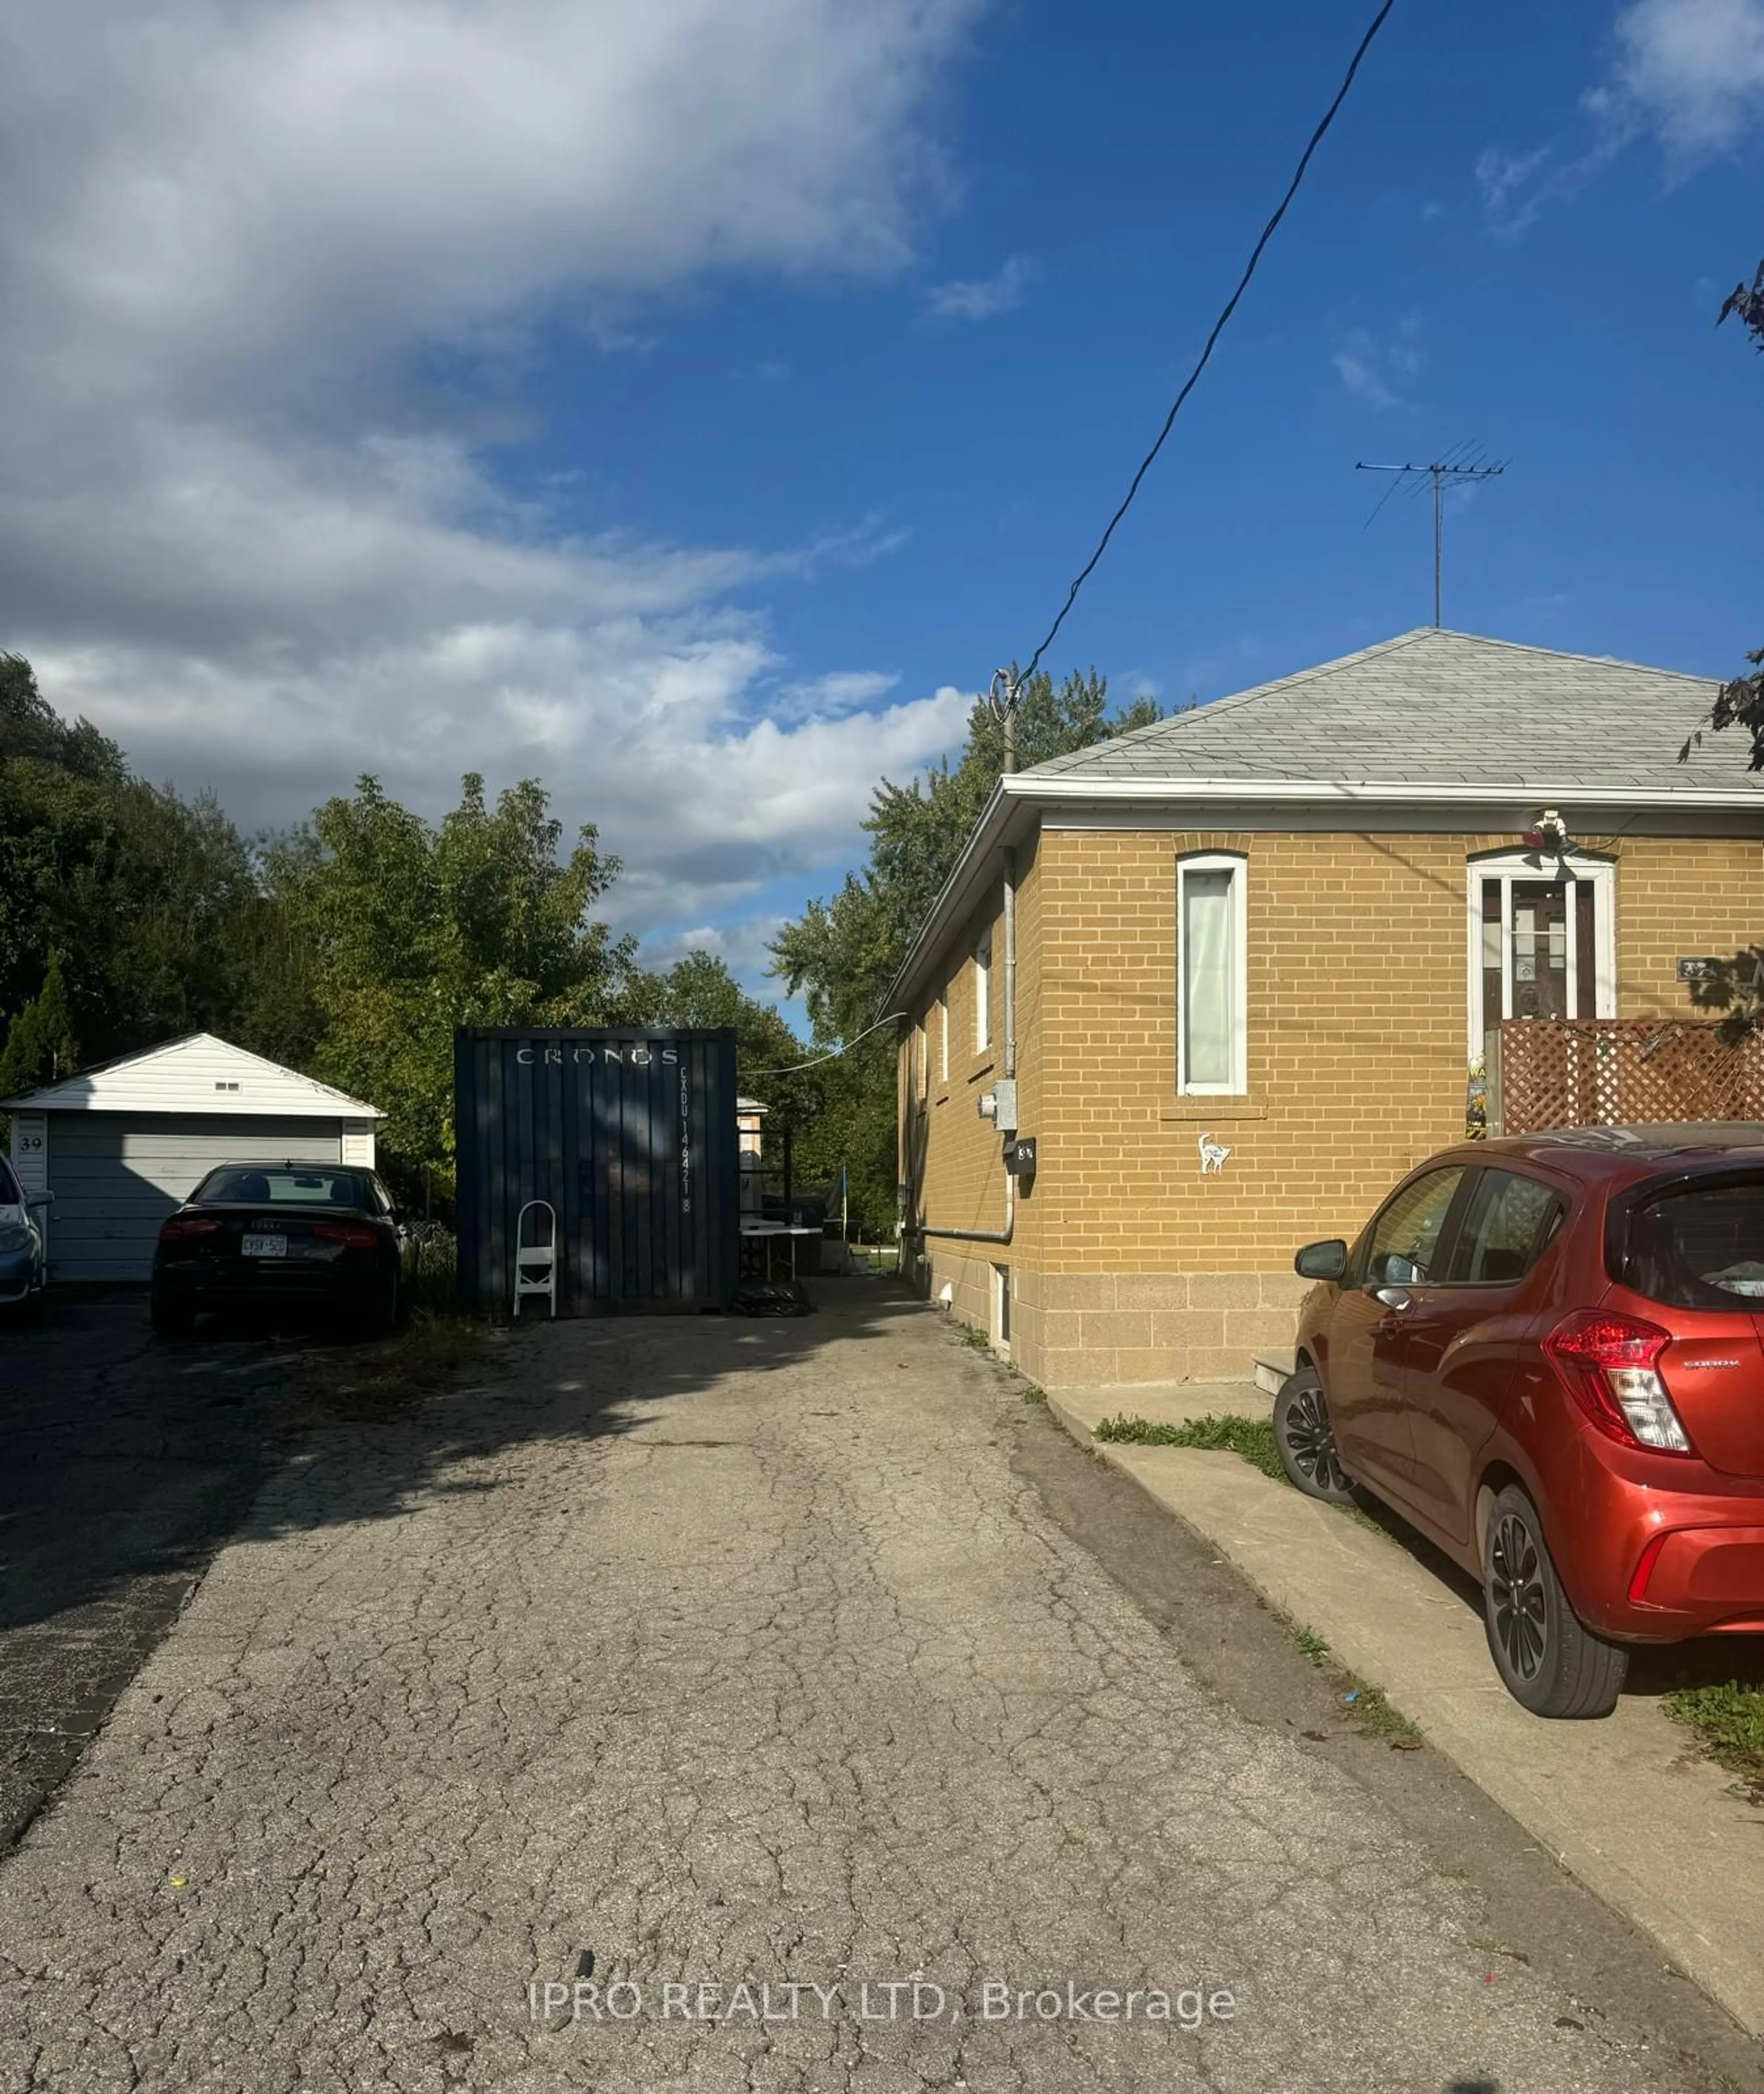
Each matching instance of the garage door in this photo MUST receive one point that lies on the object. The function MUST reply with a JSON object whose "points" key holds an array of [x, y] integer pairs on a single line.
{"points": [[115, 1177]]}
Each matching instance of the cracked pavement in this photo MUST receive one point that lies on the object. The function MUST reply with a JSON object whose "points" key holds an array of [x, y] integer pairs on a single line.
{"points": [[726, 1652], [126, 1462]]}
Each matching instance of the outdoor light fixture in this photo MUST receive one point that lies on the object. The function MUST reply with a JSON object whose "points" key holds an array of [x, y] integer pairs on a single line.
{"points": [[1549, 833]]}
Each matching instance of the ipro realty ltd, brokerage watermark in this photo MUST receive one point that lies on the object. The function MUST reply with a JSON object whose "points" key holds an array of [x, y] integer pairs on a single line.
{"points": [[912, 1999]]}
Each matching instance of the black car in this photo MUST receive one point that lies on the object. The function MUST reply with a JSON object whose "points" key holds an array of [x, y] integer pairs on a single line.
{"points": [[309, 1237]]}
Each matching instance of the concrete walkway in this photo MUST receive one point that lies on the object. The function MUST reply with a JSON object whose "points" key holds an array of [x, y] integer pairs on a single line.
{"points": [[1623, 1803], [704, 1654]]}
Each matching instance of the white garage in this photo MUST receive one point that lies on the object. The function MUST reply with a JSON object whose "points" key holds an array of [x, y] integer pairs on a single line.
{"points": [[122, 1145]]}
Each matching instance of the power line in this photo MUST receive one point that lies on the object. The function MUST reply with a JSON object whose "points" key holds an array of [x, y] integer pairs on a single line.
{"points": [[795, 1068], [1219, 325]]}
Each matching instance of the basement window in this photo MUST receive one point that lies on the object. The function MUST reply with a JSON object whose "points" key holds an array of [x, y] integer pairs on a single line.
{"points": [[1001, 1308], [1211, 975]]}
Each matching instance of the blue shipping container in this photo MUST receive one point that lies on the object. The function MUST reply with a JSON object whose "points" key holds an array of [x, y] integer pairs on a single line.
{"points": [[629, 1134]]}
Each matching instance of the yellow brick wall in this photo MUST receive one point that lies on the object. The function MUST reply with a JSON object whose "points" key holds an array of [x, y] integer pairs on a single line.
{"points": [[1678, 900], [1357, 1022], [948, 1153], [1358, 959]]}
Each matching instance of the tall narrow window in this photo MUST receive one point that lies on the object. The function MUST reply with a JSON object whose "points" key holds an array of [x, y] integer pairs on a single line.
{"points": [[943, 1037], [983, 991], [1211, 1053]]}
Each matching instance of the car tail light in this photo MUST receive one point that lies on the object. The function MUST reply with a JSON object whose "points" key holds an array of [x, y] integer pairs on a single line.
{"points": [[1610, 1364], [353, 1235], [187, 1225]]}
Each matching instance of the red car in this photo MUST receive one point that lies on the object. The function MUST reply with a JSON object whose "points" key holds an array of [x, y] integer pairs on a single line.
{"points": [[1547, 1352]]}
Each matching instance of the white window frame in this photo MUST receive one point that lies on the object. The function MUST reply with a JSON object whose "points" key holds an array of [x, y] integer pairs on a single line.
{"points": [[943, 1044], [983, 991], [1508, 866], [1238, 867]]}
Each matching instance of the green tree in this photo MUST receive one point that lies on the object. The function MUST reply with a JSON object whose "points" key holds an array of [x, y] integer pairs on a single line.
{"points": [[41, 1044], [31, 727], [150, 901], [1735, 985], [841, 954], [699, 990], [400, 930], [1741, 703]]}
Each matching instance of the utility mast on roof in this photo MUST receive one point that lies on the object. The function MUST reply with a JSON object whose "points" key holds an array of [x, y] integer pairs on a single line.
{"points": [[1454, 469]]}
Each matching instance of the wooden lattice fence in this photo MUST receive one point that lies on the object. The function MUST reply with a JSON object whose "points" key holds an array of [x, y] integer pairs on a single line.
{"points": [[1624, 1071]]}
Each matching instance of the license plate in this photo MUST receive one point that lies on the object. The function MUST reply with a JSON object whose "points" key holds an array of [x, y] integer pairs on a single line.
{"points": [[257, 1246]]}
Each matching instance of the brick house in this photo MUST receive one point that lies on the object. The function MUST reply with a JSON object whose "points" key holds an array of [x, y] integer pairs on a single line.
{"points": [[1279, 926]]}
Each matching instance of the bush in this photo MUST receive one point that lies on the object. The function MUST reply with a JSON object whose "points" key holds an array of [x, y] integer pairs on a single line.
{"points": [[437, 1269]]}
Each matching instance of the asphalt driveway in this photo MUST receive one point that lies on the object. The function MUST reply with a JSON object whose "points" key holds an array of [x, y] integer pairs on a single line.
{"points": [[125, 1463], [743, 1677]]}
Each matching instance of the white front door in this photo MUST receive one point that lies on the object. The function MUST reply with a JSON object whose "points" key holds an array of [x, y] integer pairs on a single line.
{"points": [[1542, 940]]}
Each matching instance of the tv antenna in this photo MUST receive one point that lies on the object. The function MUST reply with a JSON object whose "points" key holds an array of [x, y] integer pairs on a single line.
{"points": [[1455, 469]]}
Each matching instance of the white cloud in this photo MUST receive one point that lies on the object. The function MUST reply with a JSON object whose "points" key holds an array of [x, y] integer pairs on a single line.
{"points": [[1692, 71], [984, 297], [744, 947], [828, 697], [243, 527], [1510, 185], [1687, 74], [1374, 370]]}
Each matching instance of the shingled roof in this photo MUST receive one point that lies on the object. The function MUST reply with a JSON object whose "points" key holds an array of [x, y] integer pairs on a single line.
{"points": [[1430, 722], [1437, 709]]}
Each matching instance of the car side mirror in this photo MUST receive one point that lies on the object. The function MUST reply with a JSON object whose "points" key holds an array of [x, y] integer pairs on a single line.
{"points": [[1328, 1260], [41, 1200], [1393, 1270]]}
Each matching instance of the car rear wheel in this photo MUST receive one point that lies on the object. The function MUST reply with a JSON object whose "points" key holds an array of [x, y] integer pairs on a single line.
{"points": [[172, 1318], [1307, 1440], [1548, 1661]]}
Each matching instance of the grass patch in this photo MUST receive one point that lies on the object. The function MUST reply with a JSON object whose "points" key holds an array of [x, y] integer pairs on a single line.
{"points": [[1253, 1438], [1727, 1721], [360, 1383], [1032, 1394], [1371, 1710], [1315, 1648]]}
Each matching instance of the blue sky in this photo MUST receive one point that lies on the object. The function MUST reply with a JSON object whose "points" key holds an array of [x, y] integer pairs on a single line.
{"points": [[692, 410]]}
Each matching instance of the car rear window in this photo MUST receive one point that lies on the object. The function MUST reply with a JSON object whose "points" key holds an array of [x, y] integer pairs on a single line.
{"points": [[1696, 1246], [258, 1185]]}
